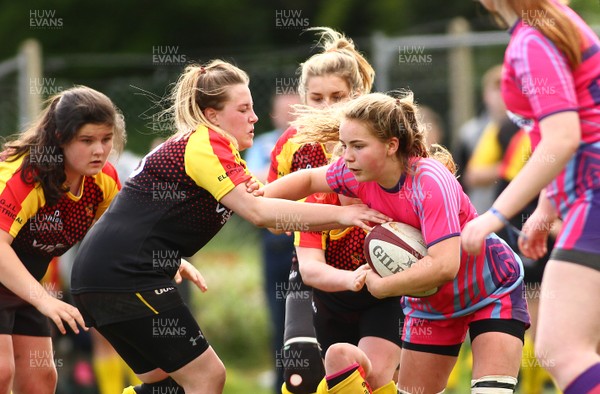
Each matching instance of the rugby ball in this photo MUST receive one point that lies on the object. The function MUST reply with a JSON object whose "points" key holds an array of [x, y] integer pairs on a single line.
{"points": [[394, 247]]}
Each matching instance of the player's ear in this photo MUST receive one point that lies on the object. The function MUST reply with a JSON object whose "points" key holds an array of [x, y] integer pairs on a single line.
{"points": [[211, 115], [392, 145]]}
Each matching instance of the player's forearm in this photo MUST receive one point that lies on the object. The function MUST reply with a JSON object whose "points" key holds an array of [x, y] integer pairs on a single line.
{"points": [[322, 276], [293, 186], [282, 215], [424, 275], [543, 166], [485, 176], [15, 277]]}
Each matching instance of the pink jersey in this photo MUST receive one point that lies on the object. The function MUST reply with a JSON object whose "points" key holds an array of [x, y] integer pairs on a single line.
{"points": [[538, 82], [431, 199]]}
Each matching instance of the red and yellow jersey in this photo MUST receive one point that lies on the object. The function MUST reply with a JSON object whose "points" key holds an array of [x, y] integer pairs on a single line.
{"points": [[288, 156], [343, 248], [516, 154], [40, 231], [169, 207]]}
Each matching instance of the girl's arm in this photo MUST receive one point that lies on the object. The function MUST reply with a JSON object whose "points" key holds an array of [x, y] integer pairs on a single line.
{"points": [[439, 266], [299, 184], [316, 273], [17, 279], [297, 216], [561, 135]]}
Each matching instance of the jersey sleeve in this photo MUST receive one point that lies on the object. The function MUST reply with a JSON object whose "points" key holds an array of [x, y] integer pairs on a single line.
{"points": [[543, 75], [281, 156], [214, 163], [341, 180], [436, 197], [18, 200], [315, 239], [108, 181]]}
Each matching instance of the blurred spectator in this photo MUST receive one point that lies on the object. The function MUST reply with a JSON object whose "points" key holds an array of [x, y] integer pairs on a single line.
{"points": [[433, 125], [258, 157], [493, 114]]}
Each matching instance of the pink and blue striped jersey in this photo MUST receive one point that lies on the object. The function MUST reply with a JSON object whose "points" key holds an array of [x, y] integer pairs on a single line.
{"points": [[430, 198], [537, 80]]}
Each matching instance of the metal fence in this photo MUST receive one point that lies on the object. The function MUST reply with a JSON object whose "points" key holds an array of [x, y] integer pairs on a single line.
{"points": [[443, 71]]}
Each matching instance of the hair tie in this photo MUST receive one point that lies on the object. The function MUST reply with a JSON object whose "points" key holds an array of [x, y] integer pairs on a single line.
{"points": [[398, 102], [202, 70]]}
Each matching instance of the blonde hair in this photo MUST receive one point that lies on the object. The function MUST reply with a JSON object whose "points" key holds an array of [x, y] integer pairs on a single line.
{"points": [[58, 124], [200, 87], [385, 117], [340, 58], [549, 19]]}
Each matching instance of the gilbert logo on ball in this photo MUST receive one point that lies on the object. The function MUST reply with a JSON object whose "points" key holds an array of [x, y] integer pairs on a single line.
{"points": [[394, 247]]}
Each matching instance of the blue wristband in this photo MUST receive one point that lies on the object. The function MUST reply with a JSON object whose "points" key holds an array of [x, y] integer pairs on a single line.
{"points": [[511, 228], [499, 215]]}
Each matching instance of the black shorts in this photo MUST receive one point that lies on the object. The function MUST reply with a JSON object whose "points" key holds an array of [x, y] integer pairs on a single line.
{"points": [[168, 337], [382, 320], [99, 309], [512, 327], [21, 318]]}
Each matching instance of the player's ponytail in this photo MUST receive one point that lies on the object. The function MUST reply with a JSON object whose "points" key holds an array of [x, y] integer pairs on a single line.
{"points": [[545, 16], [315, 125], [200, 87], [340, 58], [58, 124]]}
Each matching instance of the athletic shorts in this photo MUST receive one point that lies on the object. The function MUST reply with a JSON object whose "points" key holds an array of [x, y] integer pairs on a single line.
{"points": [[578, 201], [447, 335], [21, 318], [382, 320], [579, 238], [168, 337]]}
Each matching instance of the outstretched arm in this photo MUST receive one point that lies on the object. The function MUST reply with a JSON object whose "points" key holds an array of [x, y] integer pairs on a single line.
{"points": [[299, 184], [297, 216]]}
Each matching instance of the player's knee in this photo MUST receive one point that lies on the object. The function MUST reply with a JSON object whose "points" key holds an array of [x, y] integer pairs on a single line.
{"points": [[44, 380], [220, 374], [339, 355], [549, 355], [494, 384], [7, 371]]}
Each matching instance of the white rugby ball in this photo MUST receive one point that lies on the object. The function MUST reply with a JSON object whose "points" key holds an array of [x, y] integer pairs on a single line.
{"points": [[394, 247]]}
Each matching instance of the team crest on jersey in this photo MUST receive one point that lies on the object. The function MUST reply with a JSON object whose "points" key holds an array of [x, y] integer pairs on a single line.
{"points": [[89, 210]]}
